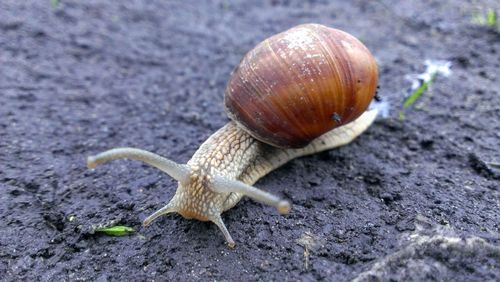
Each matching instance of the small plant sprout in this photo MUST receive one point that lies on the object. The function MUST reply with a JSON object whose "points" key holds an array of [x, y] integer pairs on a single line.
{"points": [[422, 82], [117, 230], [490, 19]]}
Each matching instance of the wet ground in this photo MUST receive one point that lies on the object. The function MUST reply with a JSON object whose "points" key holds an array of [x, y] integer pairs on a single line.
{"points": [[412, 199]]}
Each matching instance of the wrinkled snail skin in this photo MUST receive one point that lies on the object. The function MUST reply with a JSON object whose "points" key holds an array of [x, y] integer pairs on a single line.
{"points": [[308, 89]]}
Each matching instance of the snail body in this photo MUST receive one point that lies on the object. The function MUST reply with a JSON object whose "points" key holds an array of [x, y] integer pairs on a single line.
{"points": [[229, 162]]}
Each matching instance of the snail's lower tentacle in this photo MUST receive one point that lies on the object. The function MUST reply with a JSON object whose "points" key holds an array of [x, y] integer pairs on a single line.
{"points": [[169, 208], [224, 185], [218, 221], [179, 172]]}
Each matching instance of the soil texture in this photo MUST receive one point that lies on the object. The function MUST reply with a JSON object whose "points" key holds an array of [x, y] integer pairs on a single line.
{"points": [[409, 200]]}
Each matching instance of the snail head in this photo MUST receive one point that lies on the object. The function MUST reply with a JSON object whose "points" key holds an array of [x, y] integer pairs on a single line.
{"points": [[199, 195]]}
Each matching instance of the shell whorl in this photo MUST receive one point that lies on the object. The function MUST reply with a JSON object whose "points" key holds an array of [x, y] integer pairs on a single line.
{"points": [[301, 83]]}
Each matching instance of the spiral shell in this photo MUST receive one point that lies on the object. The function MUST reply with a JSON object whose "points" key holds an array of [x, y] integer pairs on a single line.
{"points": [[301, 83]]}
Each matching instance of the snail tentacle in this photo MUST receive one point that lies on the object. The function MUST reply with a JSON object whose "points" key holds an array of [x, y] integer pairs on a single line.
{"points": [[179, 172], [224, 185], [218, 221], [169, 208]]}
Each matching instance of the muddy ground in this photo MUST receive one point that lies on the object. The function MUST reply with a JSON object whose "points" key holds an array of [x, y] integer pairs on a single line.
{"points": [[413, 199]]}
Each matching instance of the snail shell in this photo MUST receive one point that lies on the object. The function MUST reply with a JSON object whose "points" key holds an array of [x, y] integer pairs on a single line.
{"points": [[301, 83]]}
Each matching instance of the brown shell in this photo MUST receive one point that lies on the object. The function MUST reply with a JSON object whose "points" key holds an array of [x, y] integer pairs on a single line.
{"points": [[301, 83]]}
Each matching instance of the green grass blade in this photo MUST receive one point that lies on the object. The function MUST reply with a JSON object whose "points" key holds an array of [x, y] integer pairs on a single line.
{"points": [[418, 92], [116, 230], [491, 17]]}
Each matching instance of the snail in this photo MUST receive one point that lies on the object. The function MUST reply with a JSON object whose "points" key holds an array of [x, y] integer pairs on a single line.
{"points": [[299, 92]]}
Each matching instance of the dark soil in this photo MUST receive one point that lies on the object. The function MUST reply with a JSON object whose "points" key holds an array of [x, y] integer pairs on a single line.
{"points": [[413, 199]]}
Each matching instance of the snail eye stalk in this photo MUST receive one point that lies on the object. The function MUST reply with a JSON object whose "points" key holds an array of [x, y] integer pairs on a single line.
{"points": [[223, 185], [179, 172]]}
